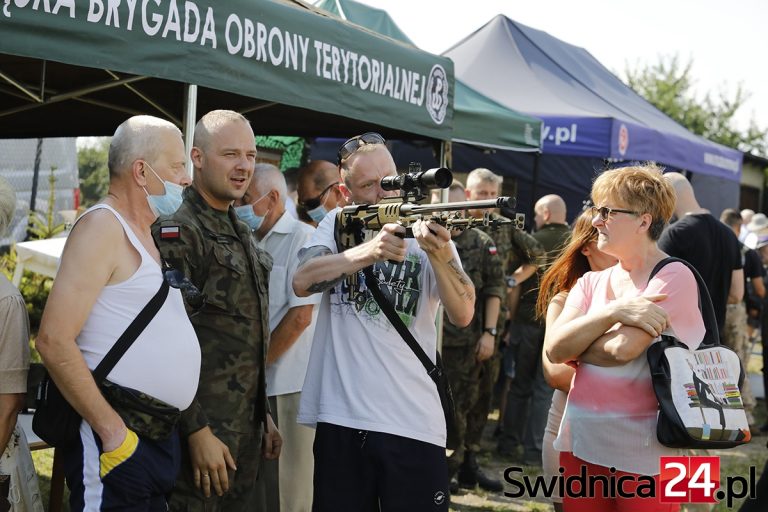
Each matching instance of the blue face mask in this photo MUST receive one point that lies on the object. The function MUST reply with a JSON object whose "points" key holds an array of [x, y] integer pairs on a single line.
{"points": [[246, 214], [168, 203], [318, 214]]}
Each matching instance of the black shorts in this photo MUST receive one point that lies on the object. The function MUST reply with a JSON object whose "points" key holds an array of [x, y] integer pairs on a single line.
{"points": [[371, 471]]}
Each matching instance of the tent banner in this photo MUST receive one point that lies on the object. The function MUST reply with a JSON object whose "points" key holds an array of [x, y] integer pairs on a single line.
{"points": [[265, 49], [630, 141], [577, 136]]}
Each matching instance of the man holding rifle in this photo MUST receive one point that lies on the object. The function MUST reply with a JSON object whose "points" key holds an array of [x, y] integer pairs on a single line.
{"points": [[380, 439]]}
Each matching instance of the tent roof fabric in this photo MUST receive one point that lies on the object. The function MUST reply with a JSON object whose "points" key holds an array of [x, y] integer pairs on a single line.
{"points": [[477, 119], [587, 110], [313, 74]]}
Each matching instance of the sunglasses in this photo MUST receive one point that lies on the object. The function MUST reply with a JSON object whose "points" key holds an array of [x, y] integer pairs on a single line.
{"points": [[353, 144], [606, 212], [311, 204], [194, 298]]}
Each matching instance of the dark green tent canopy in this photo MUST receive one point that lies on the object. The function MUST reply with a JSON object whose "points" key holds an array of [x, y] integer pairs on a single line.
{"points": [[72, 67], [477, 119]]}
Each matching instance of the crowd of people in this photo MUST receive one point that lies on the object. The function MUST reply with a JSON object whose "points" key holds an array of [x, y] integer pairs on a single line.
{"points": [[274, 376]]}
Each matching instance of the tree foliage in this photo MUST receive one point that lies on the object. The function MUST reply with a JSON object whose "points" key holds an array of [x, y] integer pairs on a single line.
{"points": [[94, 174], [668, 85]]}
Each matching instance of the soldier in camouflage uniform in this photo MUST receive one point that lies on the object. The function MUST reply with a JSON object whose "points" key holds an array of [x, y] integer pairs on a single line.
{"points": [[465, 350], [223, 428], [519, 254]]}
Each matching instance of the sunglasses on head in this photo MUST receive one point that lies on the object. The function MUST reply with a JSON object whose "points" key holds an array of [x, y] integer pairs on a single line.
{"points": [[353, 144], [606, 212], [311, 204], [194, 298]]}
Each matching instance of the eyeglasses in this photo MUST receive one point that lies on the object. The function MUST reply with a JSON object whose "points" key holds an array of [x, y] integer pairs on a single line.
{"points": [[606, 212], [353, 144], [311, 204], [194, 298]]}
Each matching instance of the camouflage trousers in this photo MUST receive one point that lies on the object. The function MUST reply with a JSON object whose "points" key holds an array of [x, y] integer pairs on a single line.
{"points": [[478, 415], [242, 495], [735, 337], [463, 373]]}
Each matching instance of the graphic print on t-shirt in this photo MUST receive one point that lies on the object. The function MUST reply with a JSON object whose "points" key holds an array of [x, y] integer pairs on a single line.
{"points": [[399, 282]]}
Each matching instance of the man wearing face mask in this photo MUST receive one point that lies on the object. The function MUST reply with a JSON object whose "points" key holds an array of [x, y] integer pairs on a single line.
{"points": [[287, 482], [110, 269], [318, 190]]}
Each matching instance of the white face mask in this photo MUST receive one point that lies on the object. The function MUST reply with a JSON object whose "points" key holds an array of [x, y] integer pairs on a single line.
{"points": [[318, 214], [168, 203]]}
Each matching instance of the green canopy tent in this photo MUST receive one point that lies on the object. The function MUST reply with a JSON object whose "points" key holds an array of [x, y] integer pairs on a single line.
{"points": [[477, 120], [80, 68]]}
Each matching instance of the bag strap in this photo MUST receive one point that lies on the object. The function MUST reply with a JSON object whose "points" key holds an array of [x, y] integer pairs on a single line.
{"points": [[433, 370], [711, 336], [132, 332]]}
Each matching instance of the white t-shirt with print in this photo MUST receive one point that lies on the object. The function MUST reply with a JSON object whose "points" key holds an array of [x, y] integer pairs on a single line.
{"points": [[361, 373]]}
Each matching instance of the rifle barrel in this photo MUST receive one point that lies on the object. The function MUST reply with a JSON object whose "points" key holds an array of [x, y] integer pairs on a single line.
{"points": [[499, 202]]}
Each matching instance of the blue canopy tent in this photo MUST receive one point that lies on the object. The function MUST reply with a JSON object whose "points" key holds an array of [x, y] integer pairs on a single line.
{"points": [[590, 117]]}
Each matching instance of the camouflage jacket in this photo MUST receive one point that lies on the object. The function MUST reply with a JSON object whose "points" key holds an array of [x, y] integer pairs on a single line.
{"points": [[219, 255], [481, 262], [515, 248]]}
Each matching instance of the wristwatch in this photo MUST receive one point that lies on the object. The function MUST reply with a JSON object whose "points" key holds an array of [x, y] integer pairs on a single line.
{"points": [[491, 330], [511, 282]]}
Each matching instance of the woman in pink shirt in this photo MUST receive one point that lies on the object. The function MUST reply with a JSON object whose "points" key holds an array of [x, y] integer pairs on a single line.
{"points": [[608, 321]]}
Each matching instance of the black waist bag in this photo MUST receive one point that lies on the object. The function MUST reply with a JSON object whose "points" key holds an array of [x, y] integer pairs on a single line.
{"points": [[142, 413], [55, 421]]}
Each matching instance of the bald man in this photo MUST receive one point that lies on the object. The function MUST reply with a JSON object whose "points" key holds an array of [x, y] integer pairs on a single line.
{"points": [[529, 396], [110, 269], [707, 244], [288, 481], [318, 190]]}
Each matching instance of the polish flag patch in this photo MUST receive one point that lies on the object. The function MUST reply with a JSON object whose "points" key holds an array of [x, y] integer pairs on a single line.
{"points": [[492, 250], [170, 232]]}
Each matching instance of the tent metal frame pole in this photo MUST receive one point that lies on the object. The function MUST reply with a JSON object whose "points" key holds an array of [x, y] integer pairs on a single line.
{"points": [[167, 113], [74, 94], [17, 85], [190, 119]]}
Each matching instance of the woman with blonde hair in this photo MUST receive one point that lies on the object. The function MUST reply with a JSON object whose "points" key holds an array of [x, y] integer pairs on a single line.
{"points": [[608, 321]]}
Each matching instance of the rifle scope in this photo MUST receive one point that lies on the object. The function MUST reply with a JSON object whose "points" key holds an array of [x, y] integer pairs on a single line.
{"points": [[439, 177]]}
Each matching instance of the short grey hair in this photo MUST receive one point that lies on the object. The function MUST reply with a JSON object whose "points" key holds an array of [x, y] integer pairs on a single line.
{"points": [[136, 138], [481, 174], [7, 205], [211, 122], [267, 177]]}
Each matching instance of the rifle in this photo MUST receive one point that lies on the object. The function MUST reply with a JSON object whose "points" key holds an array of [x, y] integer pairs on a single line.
{"points": [[353, 221]]}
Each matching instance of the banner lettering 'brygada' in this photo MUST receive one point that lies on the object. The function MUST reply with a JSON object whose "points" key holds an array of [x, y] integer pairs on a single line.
{"points": [[189, 23]]}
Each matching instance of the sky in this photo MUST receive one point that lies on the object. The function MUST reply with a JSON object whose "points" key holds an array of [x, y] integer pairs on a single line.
{"points": [[726, 41]]}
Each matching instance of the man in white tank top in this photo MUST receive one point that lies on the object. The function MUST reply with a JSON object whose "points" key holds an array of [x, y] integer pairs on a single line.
{"points": [[109, 271]]}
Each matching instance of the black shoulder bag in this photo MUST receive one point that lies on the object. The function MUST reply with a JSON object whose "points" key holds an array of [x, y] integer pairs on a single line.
{"points": [[698, 390], [435, 371], [55, 421]]}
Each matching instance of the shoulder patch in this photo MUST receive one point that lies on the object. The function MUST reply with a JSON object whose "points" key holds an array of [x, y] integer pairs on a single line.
{"points": [[492, 250], [167, 232]]}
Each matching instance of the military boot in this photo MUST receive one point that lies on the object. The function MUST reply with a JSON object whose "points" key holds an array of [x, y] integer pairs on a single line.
{"points": [[470, 474]]}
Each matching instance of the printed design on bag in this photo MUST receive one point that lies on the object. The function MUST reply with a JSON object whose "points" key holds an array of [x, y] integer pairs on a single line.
{"points": [[711, 394]]}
